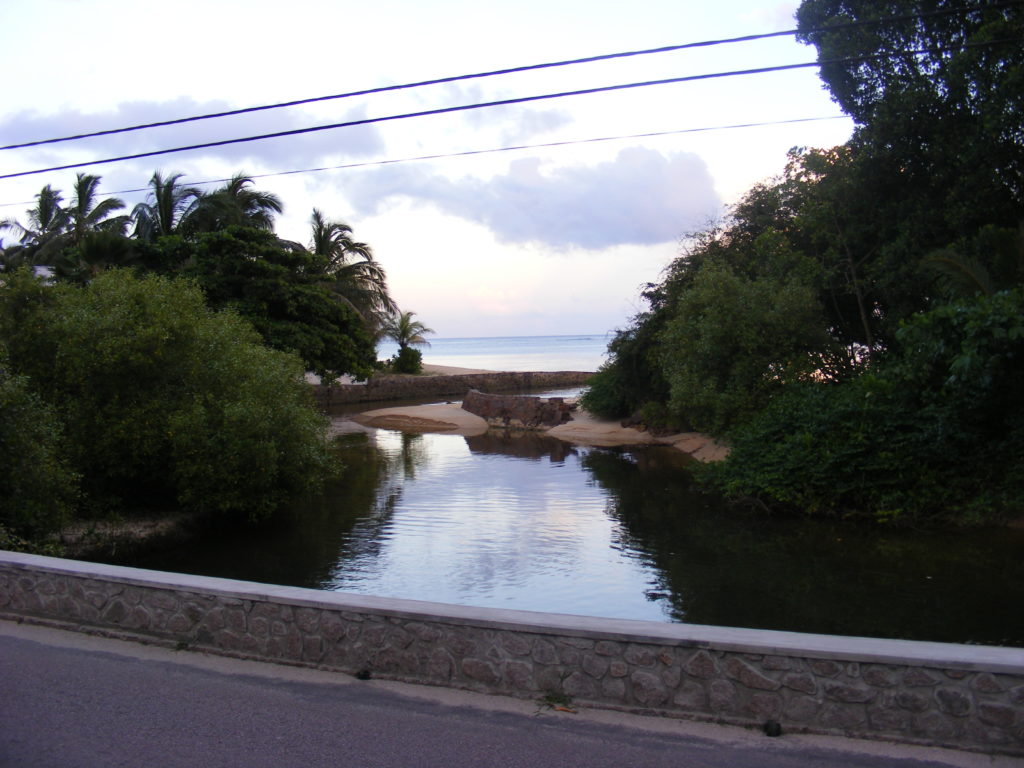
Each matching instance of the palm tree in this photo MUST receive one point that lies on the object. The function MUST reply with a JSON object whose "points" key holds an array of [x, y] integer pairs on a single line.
{"points": [[354, 276], [234, 204], [43, 237], [86, 215], [405, 331], [166, 206]]}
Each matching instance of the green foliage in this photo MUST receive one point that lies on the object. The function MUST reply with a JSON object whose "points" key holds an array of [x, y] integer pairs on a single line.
{"points": [[733, 342], [407, 360], [279, 290], [163, 401], [935, 433], [37, 490]]}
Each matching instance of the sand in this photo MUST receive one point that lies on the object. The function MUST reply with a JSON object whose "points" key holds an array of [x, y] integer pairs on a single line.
{"points": [[584, 429]]}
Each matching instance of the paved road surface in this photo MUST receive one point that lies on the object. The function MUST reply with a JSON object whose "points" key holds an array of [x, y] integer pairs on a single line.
{"points": [[69, 700]]}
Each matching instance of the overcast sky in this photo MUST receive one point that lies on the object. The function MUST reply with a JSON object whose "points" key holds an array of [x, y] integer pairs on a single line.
{"points": [[528, 242]]}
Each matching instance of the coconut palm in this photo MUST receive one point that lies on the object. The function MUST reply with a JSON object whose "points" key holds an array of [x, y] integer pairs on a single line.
{"points": [[405, 331], [167, 205], [41, 239], [86, 214], [355, 278], [233, 204]]}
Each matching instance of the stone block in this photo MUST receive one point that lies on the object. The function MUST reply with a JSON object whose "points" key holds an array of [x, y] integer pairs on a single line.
{"points": [[824, 667], [879, 676], [691, 697], [953, 701], [618, 668], [570, 657], [613, 688], [580, 686], [639, 656], [913, 702], [998, 715], [515, 644], [596, 666], [986, 683], [802, 710], [671, 676], [307, 619], [544, 652], [846, 693], [882, 718], [722, 697], [426, 633], [648, 689], [781, 664], [579, 643], [480, 671], [763, 706], [742, 672], [440, 665], [518, 676], [800, 681], [915, 677], [933, 725], [607, 648], [702, 665]]}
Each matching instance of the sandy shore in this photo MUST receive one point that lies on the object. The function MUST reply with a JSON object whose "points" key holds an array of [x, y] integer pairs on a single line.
{"points": [[584, 429]]}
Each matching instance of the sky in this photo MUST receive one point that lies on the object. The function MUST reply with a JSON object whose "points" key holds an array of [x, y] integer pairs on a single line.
{"points": [[541, 241]]}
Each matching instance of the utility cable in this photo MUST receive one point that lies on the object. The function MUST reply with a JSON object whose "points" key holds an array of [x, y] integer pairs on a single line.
{"points": [[481, 105], [491, 150], [513, 70]]}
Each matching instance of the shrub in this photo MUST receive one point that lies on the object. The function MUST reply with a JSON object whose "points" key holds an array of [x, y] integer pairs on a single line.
{"points": [[407, 360], [166, 402]]}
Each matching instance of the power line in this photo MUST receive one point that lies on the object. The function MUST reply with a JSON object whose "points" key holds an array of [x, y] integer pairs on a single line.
{"points": [[481, 105], [513, 70], [492, 150]]}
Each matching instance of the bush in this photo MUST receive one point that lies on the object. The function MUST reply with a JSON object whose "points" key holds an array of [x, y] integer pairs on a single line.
{"points": [[407, 360], [164, 401], [37, 490], [936, 432]]}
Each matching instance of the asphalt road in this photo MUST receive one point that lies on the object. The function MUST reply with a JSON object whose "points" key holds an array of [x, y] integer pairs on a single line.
{"points": [[70, 700]]}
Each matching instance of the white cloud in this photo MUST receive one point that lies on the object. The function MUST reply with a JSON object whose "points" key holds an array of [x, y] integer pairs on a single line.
{"points": [[641, 197]]}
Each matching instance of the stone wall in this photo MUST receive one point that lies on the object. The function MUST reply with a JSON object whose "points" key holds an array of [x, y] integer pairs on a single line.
{"points": [[386, 388], [517, 410], [932, 693]]}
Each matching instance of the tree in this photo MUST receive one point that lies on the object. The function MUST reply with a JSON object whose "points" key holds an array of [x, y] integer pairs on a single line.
{"points": [[86, 214], [234, 204], [41, 239], [353, 275], [163, 401], [280, 291], [407, 332], [167, 205]]}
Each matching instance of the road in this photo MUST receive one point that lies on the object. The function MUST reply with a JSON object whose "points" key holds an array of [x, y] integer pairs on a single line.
{"points": [[69, 700]]}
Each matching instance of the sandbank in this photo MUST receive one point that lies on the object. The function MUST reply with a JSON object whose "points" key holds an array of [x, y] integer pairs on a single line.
{"points": [[448, 418], [584, 429]]}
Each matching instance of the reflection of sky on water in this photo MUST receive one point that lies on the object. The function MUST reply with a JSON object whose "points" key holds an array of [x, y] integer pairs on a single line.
{"points": [[480, 529]]}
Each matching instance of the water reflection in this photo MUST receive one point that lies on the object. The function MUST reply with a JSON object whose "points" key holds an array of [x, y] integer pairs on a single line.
{"points": [[526, 521]]}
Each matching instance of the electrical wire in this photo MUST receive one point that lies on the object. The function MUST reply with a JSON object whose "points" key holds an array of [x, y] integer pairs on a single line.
{"points": [[485, 105], [512, 70]]}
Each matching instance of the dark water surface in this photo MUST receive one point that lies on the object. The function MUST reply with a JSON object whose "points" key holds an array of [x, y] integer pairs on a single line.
{"points": [[532, 523]]}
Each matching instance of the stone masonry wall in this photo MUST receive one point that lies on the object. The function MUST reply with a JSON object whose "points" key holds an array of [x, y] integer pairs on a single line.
{"points": [[517, 410], [932, 693], [385, 388]]}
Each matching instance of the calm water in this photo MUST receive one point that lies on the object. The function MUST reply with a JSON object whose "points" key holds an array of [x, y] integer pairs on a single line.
{"points": [[579, 352], [529, 522]]}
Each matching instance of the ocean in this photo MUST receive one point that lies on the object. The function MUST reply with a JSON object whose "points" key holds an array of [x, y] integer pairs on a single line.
{"points": [[576, 352]]}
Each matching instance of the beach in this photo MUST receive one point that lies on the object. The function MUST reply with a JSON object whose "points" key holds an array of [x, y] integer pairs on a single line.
{"points": [[583, 429]]}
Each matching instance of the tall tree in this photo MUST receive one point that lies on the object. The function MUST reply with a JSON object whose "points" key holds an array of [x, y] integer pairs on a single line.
{"points": [[234, 204], [168, 203], [354, 276], [41, 238], [407, 332], [88, 214]]}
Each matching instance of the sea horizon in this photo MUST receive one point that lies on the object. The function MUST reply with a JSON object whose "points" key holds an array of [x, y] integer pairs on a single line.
{"points": [[555, 352]]}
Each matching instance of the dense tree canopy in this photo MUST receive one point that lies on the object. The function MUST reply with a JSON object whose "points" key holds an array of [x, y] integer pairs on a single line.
{"points": [[853, 326], [327, 302]]}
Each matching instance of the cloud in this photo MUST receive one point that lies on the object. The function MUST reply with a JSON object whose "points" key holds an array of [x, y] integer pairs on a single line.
{"points": [[641, 197], [284, 153]]}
